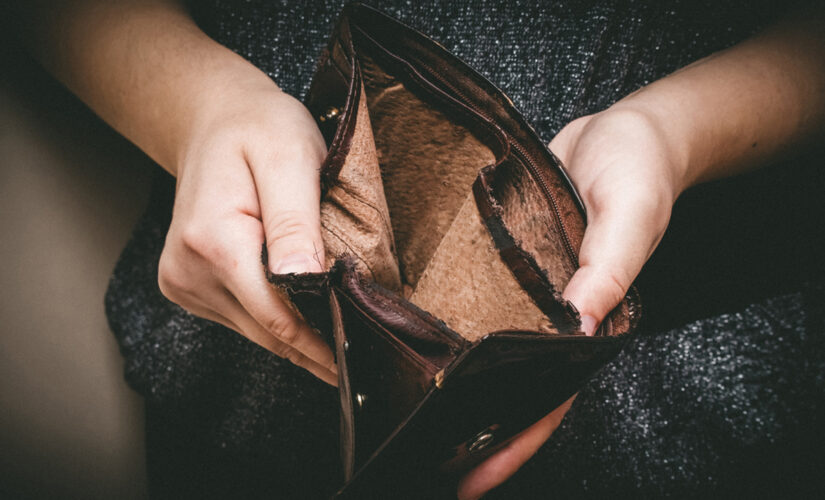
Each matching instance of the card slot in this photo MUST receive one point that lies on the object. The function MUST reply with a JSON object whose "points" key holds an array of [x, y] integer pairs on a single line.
{"points": [[390, 377], [366, 321]]}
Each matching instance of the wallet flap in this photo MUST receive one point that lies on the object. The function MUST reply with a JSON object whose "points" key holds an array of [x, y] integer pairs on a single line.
{"points": [[467, 413], [391, 352]]}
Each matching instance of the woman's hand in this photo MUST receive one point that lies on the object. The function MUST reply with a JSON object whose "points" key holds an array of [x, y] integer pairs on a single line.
{"points": [[730, 112], [628, 178], [248, 174], [246, 156]]}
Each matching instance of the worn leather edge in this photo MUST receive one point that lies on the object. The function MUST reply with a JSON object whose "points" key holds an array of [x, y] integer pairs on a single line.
{"points": [[306, 294], [427, 335], [524, 267], [337, 64], [292, 283]]}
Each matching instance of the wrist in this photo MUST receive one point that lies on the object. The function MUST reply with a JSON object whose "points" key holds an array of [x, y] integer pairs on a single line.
{"points": [[668, 137]]}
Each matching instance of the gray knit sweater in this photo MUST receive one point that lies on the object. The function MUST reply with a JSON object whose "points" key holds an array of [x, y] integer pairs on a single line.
{"points": [[722, 390]]}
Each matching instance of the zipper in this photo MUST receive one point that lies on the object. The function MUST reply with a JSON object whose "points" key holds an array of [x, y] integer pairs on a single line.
{"points": [[542, 182]]}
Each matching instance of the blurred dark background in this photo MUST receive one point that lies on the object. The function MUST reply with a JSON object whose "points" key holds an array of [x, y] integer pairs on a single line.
{"points": [[70, 191], [737, 241]]}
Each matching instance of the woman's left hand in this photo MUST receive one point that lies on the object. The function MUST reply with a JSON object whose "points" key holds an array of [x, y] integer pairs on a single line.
{"points": [[628, 178], [730, 112], [505, 462]]}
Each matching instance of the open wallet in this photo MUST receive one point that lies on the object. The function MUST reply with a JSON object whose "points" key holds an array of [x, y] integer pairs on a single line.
{"points": [[450, 231]]}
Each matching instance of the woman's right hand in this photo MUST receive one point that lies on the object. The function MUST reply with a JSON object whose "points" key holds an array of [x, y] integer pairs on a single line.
{"points": [[628, 177], [245, 154], [729, 112], [248, 174]]}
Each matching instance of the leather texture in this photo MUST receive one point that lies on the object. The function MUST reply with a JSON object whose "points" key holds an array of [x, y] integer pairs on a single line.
{"points": [[450, 231]]}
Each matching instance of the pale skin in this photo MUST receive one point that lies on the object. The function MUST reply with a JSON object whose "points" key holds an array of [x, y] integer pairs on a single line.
{"points": [[246, 158]]}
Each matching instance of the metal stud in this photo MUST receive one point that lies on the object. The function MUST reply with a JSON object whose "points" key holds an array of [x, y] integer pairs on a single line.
{"points": [[346, 345], [481, 441], [332, 113], [439, 379], [361, 399]]}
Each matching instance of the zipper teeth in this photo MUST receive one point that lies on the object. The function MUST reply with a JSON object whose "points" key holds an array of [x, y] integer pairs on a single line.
{"points": [[549, 195], [540, 180]]}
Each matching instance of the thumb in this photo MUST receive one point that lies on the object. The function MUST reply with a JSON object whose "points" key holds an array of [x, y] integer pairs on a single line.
{"points": [[289, 197], [616, 244]]}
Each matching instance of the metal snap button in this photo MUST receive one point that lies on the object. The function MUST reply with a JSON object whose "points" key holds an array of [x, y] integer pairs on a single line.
{"points": [[332, 113], [482, 440], [361, 399]]}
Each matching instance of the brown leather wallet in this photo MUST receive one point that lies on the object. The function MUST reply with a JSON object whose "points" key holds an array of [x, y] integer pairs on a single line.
{"points": [[450, 231]]}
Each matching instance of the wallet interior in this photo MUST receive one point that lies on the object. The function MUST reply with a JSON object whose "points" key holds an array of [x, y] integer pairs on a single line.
{"points": [[449, 232], [403, 205]]}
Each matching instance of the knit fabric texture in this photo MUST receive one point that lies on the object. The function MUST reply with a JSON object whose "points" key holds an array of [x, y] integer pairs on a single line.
{"points": [[720, 392]]}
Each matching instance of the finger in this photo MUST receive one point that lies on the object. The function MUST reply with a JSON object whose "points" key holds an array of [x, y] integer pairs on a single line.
{"points": [[225, 255], [235, 317], [505, 462], [217, 298], [247, 283], [251, 329], [288, 186], [198, 308], [616, 245]]}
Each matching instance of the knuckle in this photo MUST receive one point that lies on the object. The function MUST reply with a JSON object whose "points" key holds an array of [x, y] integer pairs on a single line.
{"points": [[292, 355], [194, 238], [171, 281], [614, 287], [203, 241], [284, 328], [288, 225]]}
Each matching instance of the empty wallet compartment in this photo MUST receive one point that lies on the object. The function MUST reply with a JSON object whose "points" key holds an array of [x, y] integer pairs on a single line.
{"points": [[450, 232]]}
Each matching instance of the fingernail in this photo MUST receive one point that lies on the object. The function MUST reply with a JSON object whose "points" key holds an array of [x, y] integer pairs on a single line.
{"points": [[589, 325], [296, 263]]}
